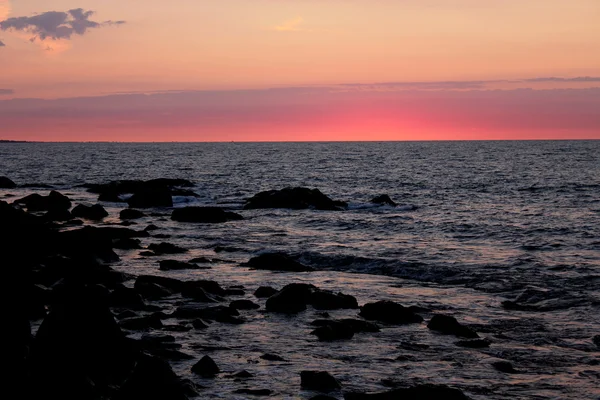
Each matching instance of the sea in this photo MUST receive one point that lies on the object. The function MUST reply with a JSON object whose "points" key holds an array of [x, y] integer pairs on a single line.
{"points": [[478, 223]]}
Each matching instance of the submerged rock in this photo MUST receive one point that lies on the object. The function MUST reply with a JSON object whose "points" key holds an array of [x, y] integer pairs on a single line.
{"points": [[389, 312], [384, 199], [419, 392], [264, 291], [297, 198], [319, 380], [450, 326], [130, 213], [204, 215], [95, 212], [6, 183], [206, 367], [276, 262], [504, 366]]}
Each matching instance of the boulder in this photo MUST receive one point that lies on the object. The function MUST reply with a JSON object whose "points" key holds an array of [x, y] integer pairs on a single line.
{"points": [[504, 366], [419, 392], [206, 367], [596, 340], [292, 299], [198, 294], [152, 379], [58, 214], [276, 262], [37, 202], [130, 213], [244, 305], [264, 291], [127, 244], [174, 265], [389, 312], [95, 212], [333, 330], [320, 381], [271, 357], [166, 248], [325, 300], [204, 215], [151, 197], [6, 183], [450, 326], [383, 199], [297, 198]]}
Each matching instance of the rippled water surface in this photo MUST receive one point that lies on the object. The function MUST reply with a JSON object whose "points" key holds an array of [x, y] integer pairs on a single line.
{"points": [[478, 223]]}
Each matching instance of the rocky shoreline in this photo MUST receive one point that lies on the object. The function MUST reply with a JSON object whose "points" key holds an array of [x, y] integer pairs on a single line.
{"points": [[58, 258]]}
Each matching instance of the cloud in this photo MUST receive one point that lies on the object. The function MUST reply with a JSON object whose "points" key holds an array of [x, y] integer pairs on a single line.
{"points": [[55, 25], [2, 43], [556, 79], [292, 25], [4, 92]]}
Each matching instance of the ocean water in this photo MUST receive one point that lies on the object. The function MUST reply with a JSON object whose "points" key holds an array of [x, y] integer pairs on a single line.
{"points": [[478, 223]]}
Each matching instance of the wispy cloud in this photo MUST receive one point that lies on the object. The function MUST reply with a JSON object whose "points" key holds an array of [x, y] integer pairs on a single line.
{"points": [[54, 25], [4, 92], [292, 25]]}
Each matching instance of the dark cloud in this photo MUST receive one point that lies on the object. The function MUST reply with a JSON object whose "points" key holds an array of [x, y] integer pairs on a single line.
{"points": [[55, 25], [4, 92], [556, 79]]}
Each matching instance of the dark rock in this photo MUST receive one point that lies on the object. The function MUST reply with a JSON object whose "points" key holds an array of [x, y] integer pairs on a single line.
{"points": [[130, 213], [450, 326], [95, 212], [504, 366], [297, 198], [324, 300], [389, 312], [200, 260], [127, 244], [204, 215], [170, 265], [110, 197], [254, 392], [199, 324], [149, 197], [37, 202], [419, 392], [152, 379], [177, 328], [141, 323], [334, 330], [58, 214], [292, 299], [209, 286], [474, 344], [276, 262], [359, 326], [206, 367], [271, 357], [166, 248], [322, 397], [234, 292], [175, 285], [6, 183], [198, 294], [265, 291], [147, 254], [596, 340], [243, 374], [319, 380], [244, 305], [383, 199], [150, 290], [216, 313], [151, 227], [125, 297]]}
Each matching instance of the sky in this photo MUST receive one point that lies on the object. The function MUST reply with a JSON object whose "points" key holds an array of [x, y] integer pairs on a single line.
{"points": [[288, 70]]}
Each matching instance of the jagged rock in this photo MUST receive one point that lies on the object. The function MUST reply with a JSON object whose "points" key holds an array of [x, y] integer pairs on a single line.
{"points": [[95, 212], [276, 262], [171, 265], [419, 392], [130, 213], [295, 198], [244, 305], [166, 248], [504, 366], [383, 199], [389, 312], [152, 379], [319, 380], [271, 357], [265, 291], [206, 367], [6, 183], [450, 326], [37, 202], [204, 215]]}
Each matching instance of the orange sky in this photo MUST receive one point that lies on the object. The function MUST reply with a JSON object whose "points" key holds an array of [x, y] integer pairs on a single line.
{"points": [[228, 45]]}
